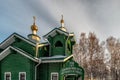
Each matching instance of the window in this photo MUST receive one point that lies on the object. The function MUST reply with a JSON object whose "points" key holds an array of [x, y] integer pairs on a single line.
{"points": [[7, 76], [54, 76], [22, 75], [58, 44]]}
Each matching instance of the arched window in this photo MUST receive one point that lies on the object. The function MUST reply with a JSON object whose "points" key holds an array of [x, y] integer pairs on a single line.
{"points": [[58, 44]]}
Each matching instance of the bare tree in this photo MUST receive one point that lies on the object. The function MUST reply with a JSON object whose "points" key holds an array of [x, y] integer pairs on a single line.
{"points": [[113, 46], [89, 53]]}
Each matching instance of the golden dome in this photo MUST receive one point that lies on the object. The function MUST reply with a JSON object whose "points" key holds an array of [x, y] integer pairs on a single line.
{"points": [[34, 37], [34, 27]]}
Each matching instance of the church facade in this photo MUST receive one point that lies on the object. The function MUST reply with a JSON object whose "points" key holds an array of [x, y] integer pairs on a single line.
{"points": [[27, 59]]}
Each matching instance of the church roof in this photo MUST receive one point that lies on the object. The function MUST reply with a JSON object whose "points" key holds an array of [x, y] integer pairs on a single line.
{"points": [[7, 51], [11, 39], [7, 42], [57, 30]]}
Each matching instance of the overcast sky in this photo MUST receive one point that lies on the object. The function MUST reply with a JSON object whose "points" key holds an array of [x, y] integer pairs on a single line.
{"points": [[99, 16]]}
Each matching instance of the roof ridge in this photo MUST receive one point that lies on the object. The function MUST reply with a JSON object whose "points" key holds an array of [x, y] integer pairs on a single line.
{"points": [[10, 40]]}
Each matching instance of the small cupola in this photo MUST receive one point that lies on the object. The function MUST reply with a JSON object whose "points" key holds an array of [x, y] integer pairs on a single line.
{"points": [[34, 28], [62, 24], [34, 37]]}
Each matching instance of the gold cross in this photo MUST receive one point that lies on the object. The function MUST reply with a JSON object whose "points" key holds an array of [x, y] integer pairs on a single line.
{"points": [[34, 18], [62, 17]]}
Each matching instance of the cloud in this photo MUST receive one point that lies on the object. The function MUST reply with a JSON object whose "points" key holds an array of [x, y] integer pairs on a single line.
{"points": [[99, 16]]}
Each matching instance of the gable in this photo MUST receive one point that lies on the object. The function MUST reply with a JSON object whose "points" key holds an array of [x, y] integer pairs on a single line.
{"points": [[8, 50], [15, 62], [57, 31], [24, 46], [17, 40], [11, 39], [54, 32]]}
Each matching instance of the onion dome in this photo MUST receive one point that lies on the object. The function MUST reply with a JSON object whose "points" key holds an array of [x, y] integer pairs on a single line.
{"points": [[34, 27], [34, 37]]}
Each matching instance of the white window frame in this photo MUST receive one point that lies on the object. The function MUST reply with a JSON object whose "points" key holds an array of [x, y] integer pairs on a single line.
{"points": [[55, 73], [22, 73], [5, 75]]}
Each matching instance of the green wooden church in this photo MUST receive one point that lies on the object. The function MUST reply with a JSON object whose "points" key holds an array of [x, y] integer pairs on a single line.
{"points": [[27, 59]]}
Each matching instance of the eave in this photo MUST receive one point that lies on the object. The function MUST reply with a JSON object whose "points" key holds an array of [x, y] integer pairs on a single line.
{"points": [[7, 42], [11, 39], [7, 51], [53, 59]]}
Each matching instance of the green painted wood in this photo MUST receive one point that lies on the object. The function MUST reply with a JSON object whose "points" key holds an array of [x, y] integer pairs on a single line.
{"points": [[71, 70], [45, 69], [16, 63], [54, 67], [66, 41], [24, 46], [42, 71], [43, 51]]}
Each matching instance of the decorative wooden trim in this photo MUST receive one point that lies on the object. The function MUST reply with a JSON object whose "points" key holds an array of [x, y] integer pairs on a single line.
{"points": [[5, 75], [22, 73]]}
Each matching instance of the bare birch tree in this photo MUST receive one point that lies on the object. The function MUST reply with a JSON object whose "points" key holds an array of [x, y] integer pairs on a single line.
{"points": [[113, 46], [89, 53]]}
